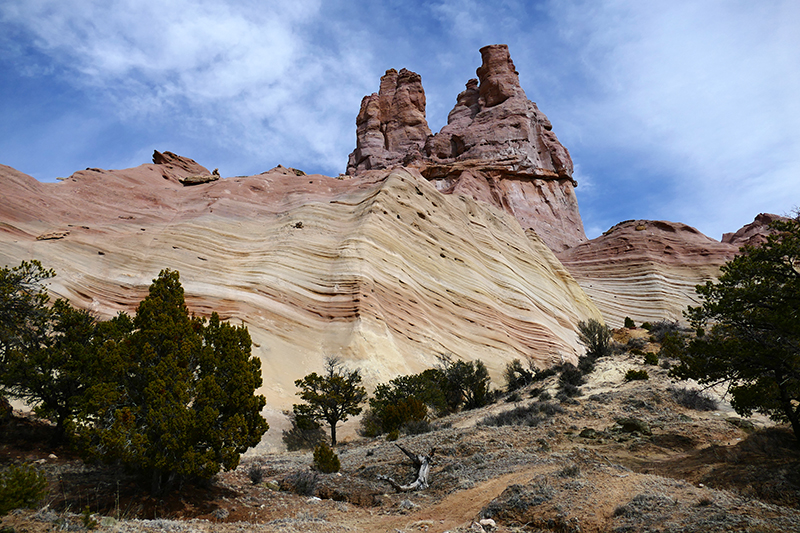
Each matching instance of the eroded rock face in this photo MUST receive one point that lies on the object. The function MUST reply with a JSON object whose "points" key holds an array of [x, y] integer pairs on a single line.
{"points": [[177, 167], [380, 269], [391, 128], [646, 269], [752, 234], [496, 147]]}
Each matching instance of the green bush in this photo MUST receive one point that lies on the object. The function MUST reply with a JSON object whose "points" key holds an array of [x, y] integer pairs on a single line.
{"points": [[596, 337], [634, 375], [21, 486], [325, 459], [629, 324], [647, 325], [304, 434], [650, 358], [177, 399], [570, 375], [517, 376]]}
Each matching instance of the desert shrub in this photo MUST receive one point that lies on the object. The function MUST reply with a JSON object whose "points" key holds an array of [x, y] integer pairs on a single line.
{"points": [[517, 376], [662, 328], [634, 375], [629, 324], [568, 390], [571, 375], [544, 396], [21, 486], [637, 351], [693, 399], [403, 400], [596, 337], [302, 483], [466, 383], [393, 435], [256, 474], [325, 459], [572, 470], [531, 415], [651, 358], [647, 325], [416, 427], [541, 375], [534, 392], [636, 343], [513, 397], [305, 433]]}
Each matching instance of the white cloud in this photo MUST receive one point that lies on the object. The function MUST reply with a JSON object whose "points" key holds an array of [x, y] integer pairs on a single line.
{"points": [[251, 71], [707, 90]]}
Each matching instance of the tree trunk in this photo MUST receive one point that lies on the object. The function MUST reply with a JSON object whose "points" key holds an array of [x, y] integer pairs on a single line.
{"points": [[333, 434], [423, 464]]}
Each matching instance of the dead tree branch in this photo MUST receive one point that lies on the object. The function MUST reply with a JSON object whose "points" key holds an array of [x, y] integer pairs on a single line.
{"points": [[422, 462]]}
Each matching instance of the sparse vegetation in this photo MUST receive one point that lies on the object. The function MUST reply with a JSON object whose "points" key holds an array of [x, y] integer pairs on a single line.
{"points": [[693, 399], [651, 358], [635, 375], [754, 338], [517, 376], [531, 415], [629, 324], [596, 337], [325, 459], [21, 486]]}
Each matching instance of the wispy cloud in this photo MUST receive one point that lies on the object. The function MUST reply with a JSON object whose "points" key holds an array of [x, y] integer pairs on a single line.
{"points": [[672, 109]]}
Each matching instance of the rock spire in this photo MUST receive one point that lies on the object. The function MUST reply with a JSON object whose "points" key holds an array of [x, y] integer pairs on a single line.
{"points": [[496, 147]]}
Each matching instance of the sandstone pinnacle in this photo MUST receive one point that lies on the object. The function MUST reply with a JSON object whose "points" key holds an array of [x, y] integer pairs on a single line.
{"points": [[497, 146]]}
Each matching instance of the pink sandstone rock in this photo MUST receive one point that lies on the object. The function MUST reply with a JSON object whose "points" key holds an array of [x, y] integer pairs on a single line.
{"points": [[496, 147], [752, 234], [391, 128]]}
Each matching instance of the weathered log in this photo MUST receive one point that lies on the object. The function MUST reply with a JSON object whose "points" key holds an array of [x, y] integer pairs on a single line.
{"points": [[422, 462]]}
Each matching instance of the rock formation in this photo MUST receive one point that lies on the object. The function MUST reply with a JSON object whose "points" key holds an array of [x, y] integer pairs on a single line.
{"points": [[497, 147], [381, 269], [645, 269], [391, 128], [752, 234]]}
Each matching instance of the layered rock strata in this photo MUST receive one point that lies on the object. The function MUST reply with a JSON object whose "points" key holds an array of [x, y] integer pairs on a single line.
{"points": [[381, 269], [646, 270], [497, 147]]}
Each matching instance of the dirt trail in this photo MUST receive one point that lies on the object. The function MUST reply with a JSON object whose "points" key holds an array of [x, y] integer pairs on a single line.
{"points": [[457, 509]]}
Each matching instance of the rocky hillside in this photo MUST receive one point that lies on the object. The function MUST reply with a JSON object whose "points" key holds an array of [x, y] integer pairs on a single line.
{"points": [[621, 456]]}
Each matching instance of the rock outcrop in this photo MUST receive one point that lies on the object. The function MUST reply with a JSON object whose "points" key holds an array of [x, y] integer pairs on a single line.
{"points": [[497, 147], [180, 168], [646, 269], [752, 234], [380, 269], [391, 128]]}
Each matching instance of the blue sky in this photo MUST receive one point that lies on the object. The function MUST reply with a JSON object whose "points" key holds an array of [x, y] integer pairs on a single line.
{"points": [[677, 110]]}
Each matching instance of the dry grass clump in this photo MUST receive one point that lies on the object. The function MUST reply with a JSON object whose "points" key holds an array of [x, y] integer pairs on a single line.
{"points": [[694, 399], [530, 415]]}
